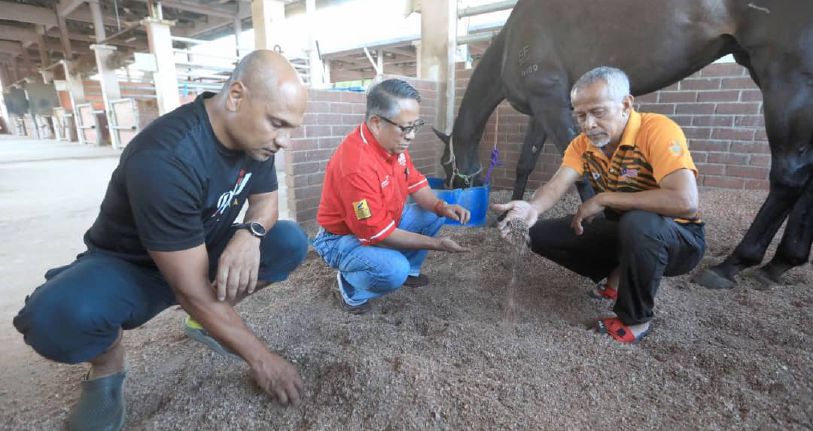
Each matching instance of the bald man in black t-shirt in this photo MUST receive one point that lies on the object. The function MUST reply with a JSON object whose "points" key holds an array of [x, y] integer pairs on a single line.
{"points": [[166, 235]]}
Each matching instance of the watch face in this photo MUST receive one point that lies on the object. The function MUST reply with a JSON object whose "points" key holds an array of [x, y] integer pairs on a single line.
{"points": [[257, 229]]}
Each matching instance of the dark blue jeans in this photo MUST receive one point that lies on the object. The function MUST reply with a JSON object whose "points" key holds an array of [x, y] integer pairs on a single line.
{"points": [[77, 314]]}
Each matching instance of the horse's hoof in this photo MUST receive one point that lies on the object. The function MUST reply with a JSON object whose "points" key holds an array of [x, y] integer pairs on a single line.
{"points": [[764, 279], [710, 279]]}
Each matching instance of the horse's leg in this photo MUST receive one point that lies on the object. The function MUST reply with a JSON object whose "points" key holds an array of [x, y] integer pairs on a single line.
{"points": [[531, 149], [751, 249], [551, 109], [794, 249], [788, 105]]}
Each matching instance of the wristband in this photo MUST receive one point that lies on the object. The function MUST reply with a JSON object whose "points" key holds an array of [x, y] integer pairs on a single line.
{"points": [[439, 206]]}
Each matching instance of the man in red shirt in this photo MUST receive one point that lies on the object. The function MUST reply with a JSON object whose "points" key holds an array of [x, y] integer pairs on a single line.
{"points": [[369, 233]]}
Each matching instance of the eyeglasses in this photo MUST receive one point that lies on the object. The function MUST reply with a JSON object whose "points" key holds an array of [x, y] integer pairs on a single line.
{"points": [[406, 130]]}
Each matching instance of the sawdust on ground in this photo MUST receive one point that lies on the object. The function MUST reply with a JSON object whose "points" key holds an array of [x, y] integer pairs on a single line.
{"points": [[445, 357]]}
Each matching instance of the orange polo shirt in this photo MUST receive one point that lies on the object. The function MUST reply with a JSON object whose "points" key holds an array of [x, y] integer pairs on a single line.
{"points": [[366, 188], [652, 147]]}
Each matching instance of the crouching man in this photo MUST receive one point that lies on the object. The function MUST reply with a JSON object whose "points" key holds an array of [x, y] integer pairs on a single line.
{"points": [[369, 233], [165, 235], [643, 222]]}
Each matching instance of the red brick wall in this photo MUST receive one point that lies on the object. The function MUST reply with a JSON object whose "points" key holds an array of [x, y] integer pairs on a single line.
{"points": [[719, 109], [330, 116]]}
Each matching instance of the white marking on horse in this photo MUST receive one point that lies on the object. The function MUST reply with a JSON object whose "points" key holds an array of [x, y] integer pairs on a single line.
{"points": [[529, 70], [759, 8], [523, 55]]}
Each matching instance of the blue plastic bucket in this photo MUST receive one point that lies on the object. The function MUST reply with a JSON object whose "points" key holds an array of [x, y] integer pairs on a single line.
{"points": [[474, 199]]}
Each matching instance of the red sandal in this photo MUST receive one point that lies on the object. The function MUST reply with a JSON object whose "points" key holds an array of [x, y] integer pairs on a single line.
{"points": [[620, 332], [604, 291]]}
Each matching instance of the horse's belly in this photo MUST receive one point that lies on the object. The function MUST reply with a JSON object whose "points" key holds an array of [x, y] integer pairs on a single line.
{"points": [[550, 43]]}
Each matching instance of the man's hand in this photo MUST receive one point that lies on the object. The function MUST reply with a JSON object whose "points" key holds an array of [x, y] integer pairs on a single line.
{"points": [[445, 243], [187, 272], [516, 210], [279, 378], [456, 213], [587, 212], [238, 266]]}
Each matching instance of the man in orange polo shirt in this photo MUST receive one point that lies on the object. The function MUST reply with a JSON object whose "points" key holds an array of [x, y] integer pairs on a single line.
{"points": [[369, 233], [643, 222]]}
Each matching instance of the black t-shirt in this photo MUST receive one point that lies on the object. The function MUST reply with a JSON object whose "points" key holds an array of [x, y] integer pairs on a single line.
{"points": [[176, 187]]}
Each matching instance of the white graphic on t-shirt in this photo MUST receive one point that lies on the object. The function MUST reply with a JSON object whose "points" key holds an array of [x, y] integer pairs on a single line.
{"points": [[226, 198]]}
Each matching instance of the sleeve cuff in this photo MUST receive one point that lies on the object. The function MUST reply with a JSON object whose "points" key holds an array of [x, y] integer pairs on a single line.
{"points": [[578, 167], [417, 186], [380, 235], [660, 178], [173, 245]]}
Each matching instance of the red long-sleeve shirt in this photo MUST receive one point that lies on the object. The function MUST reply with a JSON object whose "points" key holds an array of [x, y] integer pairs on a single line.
{"points": [[366, 188]]}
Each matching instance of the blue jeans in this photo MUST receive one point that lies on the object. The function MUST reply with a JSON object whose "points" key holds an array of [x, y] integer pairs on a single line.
{"points": [[77, 314], [370, 271]]}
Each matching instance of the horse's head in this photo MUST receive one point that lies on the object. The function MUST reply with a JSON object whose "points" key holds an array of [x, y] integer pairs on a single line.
{"points": [[461, 166]]}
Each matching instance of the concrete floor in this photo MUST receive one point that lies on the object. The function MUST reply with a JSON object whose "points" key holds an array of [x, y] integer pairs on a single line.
{"points": [[50, 193]]}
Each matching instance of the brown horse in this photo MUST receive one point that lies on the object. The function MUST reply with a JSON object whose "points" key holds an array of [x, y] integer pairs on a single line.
{"points": [[547, 44]]}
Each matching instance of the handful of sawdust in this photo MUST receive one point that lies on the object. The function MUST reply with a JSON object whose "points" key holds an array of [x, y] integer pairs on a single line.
{"points": [[518, 234]]}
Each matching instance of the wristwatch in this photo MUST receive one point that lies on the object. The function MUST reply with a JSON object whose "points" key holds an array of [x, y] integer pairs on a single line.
{"points": [[253, 227]]}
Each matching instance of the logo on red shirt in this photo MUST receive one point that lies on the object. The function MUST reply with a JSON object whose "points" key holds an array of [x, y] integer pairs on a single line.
{"points": [[362, 210]]}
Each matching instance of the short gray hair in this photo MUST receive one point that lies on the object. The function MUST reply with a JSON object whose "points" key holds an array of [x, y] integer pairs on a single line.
{"points": [[618, 84], [382, 99]]}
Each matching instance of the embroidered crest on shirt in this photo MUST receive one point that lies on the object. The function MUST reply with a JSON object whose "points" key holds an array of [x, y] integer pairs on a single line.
{"points": [[676, 148], [402, 159], [362, 210]]}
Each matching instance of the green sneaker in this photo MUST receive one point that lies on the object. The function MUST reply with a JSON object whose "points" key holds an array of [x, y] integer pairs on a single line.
{"points": [[100, 406], [195, 331]]}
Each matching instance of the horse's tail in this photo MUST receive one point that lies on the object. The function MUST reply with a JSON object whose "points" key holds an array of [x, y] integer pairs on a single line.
{"points": [[484, 92]]}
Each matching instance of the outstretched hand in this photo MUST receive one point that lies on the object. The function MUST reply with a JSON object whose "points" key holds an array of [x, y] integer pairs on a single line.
{"points": [[447, 244], [515, 210]]}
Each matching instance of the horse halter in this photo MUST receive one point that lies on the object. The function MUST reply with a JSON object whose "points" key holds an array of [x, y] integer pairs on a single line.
{"points": [[467, 179]]}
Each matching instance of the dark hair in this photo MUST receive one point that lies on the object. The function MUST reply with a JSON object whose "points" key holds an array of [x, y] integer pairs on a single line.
{"points": [[382, 99]]}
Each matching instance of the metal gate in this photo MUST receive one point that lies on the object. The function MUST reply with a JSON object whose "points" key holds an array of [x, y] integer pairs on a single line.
{"points": [[88, 124], [64, 125], [123, 122], [29, 126]]}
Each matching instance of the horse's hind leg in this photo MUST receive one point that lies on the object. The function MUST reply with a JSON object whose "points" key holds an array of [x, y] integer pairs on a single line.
{"points": [[531, 148], [794, 249], [788, 104]]}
